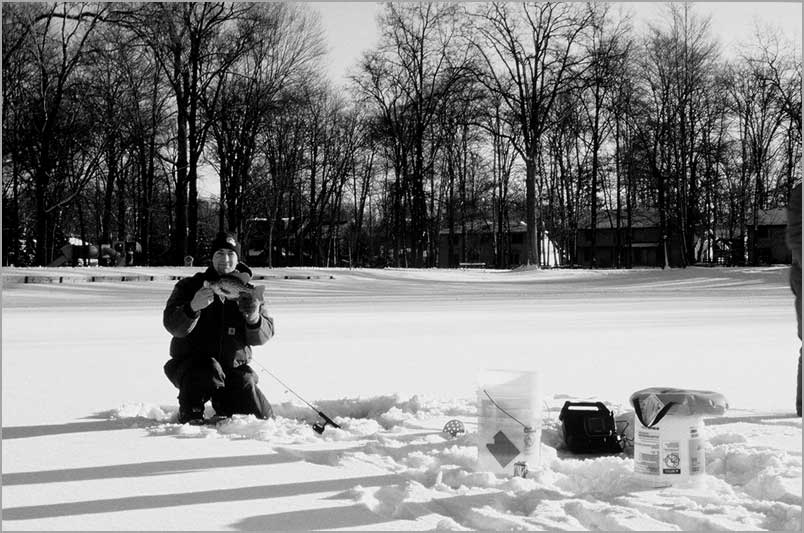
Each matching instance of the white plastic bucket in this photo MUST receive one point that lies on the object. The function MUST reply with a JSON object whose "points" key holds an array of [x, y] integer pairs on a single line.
{"points": [[670, 452], [509, 422]]}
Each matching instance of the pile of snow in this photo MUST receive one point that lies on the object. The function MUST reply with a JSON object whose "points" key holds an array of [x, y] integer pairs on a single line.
{"points": [[749, 484]]}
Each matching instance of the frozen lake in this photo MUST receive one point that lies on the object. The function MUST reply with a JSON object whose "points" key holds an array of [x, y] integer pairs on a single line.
{"points": [[371, 332], [89, 443]]}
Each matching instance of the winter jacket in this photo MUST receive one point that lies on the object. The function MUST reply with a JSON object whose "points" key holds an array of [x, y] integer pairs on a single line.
{"points": [[219, 330]]}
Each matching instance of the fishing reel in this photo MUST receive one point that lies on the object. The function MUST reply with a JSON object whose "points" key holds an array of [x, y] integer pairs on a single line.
{"points": [[319, 426]]}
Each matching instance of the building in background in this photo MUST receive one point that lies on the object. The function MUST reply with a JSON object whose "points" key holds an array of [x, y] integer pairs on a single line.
{"points": [[478, 244], [642, 241], [769, 237]]}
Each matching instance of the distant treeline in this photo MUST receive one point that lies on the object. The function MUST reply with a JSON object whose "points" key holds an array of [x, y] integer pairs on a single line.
{"points": [[464, 116]]}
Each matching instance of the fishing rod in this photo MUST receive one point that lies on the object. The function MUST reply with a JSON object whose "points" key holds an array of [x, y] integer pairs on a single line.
{"points": [[318, 427]]}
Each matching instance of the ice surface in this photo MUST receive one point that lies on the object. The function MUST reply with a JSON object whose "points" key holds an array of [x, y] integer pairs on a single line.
{"points": [[91, 443]]}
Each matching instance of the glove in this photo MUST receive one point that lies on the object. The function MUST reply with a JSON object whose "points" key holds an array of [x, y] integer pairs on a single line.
{"points": [[202, 299], [249, 305]]}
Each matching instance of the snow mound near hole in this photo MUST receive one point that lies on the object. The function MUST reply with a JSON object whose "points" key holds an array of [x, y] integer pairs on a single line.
{"points": [[748, 485], [142, 410]]}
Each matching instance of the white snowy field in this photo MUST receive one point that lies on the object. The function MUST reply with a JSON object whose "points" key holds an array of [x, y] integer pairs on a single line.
{"points": [[90, 440]]}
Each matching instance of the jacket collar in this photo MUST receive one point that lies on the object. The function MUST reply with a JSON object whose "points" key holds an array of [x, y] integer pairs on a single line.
{"points": [[210, 274]]}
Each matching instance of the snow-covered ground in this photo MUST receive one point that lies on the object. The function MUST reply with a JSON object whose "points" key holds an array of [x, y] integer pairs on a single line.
{"points": [[90, 440]]}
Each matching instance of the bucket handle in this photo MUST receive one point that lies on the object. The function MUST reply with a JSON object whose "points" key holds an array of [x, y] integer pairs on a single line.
{"points": [[509, 415], [659, 415]]}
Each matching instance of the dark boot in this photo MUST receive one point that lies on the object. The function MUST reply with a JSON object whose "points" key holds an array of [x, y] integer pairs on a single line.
{"points": [[219, 404], [191, 415], [198, 382]]}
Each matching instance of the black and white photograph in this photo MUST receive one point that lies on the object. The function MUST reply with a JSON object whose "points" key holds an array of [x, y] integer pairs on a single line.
{"points": [[403, 266]]}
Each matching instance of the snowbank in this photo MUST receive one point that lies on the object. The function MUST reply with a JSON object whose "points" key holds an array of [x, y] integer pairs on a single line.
{"points": [[751, 483]]}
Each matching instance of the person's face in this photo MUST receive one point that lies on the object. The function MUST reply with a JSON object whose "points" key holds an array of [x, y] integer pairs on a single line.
{"points": [[224, 261]]}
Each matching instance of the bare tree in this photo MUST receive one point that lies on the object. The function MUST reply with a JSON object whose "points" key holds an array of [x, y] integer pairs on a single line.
{"points": [[408, 79], [503, 158], [780, 62], [469, 117], [193, 45], [568, 148], [284, 44], [331, 143], [607, 48], [755, 99], [532, 47], [147, 119], [378, 88], [54, 37], [677, 73], [364, 166], [283, 150], [18, 65]]}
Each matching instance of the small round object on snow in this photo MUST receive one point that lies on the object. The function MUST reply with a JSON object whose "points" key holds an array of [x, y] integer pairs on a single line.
{"points": [[686, 402], [453, 428]]}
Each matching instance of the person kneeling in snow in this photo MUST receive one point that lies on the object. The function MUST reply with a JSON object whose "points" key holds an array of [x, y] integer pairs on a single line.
{"points": [[212, 338]]}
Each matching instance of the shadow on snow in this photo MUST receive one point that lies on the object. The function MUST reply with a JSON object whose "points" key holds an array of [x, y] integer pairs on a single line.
{"points": [[159, 501]]}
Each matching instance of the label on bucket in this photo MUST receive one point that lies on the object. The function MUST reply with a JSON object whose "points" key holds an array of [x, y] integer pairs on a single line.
{"points": [[501, 441], [671, 451], [502, 449], [696, 456], [671, 457], [647, 460]]}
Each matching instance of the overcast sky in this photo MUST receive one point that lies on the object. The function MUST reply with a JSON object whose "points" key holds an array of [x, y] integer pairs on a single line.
{"points": [[351, 26]]}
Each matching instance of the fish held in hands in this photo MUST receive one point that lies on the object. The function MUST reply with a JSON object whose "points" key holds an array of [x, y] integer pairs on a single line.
{"points": [[230, 287]]}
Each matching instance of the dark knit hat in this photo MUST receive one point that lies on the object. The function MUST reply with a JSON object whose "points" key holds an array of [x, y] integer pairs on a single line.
{"points": [[225, 241]]}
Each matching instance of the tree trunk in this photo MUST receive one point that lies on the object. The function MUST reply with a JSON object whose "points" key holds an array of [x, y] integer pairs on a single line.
{"points": [[180, 229], [111, 183], [595, 168], [122, 205], [42, 233], [194, 149], [618, 249], [532, 243], [451, 212]]}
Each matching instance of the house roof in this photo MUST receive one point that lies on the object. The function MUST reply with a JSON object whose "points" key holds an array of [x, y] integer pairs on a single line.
{"points": [[483, 226], [649, 218], [607, 219], [642, 218]]}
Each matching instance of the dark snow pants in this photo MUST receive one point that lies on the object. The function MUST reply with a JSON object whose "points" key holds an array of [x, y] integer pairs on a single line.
{"points": [[793, 238], [795, 285], [232, 392]]}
